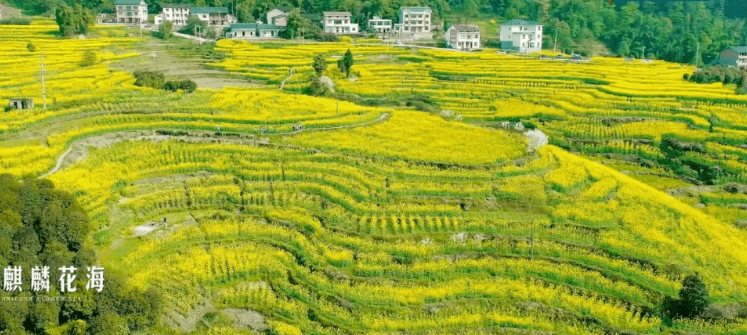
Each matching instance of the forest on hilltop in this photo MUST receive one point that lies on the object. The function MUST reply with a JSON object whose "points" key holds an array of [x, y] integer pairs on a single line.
{"points": [[673, 31]]}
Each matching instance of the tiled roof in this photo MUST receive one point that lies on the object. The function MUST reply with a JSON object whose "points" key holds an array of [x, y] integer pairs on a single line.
{"points": [[739, 49], [466, 28], [175, 5], [520, 22], [415, 9], [128, 2], [243, 26], [337, 14], [209, 10]]}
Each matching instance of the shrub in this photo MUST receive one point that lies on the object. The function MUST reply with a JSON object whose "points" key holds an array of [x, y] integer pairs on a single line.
{"points": [[149, 79], [165, 29], [685, 76], [89, 58], [31, 47], [693, 299]]}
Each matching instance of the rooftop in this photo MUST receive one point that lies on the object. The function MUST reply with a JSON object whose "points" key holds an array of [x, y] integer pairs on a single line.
{"points": [[128, 2], [209, 10], [738, 49], [337, 14], [415, 9], [253, 26], [520, 22], [175, 5], [466, 28]]}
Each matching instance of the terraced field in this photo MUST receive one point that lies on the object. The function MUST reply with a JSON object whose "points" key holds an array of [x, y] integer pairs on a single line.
{"points": [[386, 219]]}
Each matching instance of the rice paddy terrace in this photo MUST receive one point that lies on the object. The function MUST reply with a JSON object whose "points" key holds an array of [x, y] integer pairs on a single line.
{"points": [[379, 218]]}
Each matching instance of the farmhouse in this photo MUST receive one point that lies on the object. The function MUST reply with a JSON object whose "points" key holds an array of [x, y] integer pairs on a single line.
{"points": [[339, 23], [131, 11], [380, 25], [21, 103], [215, 17], [733, 57], [463, 37], [278, 15], [178, 14], [7, 13], [521, 36], [245, 31], [414, 23]]}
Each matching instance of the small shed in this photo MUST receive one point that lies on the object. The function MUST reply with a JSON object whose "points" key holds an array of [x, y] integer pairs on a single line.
{"points": [[21, 103]]}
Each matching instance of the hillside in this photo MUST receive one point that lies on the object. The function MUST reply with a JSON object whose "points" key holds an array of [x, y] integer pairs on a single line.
{"points": [[408, 203]]}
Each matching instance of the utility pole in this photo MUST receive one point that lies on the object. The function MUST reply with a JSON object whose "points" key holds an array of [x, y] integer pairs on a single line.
{"points": [[556, 41], [44, 86]]}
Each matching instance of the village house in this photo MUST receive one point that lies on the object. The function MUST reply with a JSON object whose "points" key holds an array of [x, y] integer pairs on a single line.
{"points": [[7, 13], [733, 57], [245, 31], [463, 37], [414, 23], [178, 14], [278, 15], [379, 25], [131, 11], [215, 17], [339, 23], [521, 36]]}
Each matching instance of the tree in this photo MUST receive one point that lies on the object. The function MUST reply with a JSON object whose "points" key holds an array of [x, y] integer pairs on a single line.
{"points": [[31, 47], [694, 297], [165, 29], [73, 20], [348, 62], [297, 25], [320, 64]]}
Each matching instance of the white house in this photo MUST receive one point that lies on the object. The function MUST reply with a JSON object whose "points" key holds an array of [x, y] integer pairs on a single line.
{"points": [[380, 25], [414, 23], [463, 37], [178, 14], [278, 16], [521, 36], [339, 23], [733, 57], [245, 31], [131, 11]]}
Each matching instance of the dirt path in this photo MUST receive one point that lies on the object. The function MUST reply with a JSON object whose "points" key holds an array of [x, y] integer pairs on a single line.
{"points": [[286, 79], [79, 149]]}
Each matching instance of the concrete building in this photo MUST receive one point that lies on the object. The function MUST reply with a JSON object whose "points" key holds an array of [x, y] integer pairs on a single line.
{"points": [[379, 25], [215, 17], [21, 103], [178, 14], [339, 23], [278, 15], [521, 36], [131, 11], [414, 23], [463, 37], [246, 31], [7, 13], [733, 57]]}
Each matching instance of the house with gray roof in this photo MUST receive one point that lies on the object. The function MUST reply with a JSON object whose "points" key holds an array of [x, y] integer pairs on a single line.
{"points": [[247, 31], [735, 56], [339, 23], [463, 37], [521, 36]]}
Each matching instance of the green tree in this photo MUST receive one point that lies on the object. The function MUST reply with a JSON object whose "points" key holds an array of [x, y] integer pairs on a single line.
{"points": [[348, 62], [320, 64], [694, 297], [297, 25], [165, 29], [73, 20]]}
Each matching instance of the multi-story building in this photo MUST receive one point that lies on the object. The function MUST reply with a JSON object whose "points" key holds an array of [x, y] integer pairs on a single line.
{"points": [[733, 57], [278, 16], [414, 23], [131, 11], [463, 37], [215, 17], [245, 31], [521, 35], [379, 25], [178, 14], [339, 23]]}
